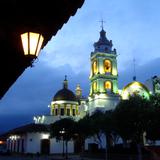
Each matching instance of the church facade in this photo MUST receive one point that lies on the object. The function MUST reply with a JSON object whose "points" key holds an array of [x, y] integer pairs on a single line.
{"points": [[104, 94]]}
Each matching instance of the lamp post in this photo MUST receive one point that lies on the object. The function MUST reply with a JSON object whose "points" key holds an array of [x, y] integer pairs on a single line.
{"points": [[32, 43], [62, 133]]}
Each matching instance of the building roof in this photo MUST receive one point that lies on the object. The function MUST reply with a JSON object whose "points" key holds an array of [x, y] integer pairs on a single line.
{"points": [[136, 83], [65, 94], [103, 44], [27, 129], [17, 16]]}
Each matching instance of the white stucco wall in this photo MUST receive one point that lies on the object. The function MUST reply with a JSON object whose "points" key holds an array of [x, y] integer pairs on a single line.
{"points": [[57, 146], [104, 103], [33, 142]]}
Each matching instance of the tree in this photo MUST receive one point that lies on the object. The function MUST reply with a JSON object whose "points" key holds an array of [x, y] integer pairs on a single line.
{"points": [[83, 130], [153, 131], [107, 128], [96, 125], [102, 124], [64, 128], [132, 119]]}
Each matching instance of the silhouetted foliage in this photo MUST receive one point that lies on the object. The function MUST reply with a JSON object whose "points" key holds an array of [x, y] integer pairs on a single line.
{"points": [[63, 129], [153, 131], [132, 118], [67, 125]]}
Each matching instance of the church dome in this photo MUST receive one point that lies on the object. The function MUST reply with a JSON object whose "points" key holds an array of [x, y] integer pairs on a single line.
{"points": [[135, 88], [64, 94]]}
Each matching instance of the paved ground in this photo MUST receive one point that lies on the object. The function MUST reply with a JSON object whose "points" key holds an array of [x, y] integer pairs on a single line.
{"points": [[71, 157]]}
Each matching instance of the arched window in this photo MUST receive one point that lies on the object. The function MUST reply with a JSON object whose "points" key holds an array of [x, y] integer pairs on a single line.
{"points": [[107, 66], [94, 86], [108, 86], [94, 67]]}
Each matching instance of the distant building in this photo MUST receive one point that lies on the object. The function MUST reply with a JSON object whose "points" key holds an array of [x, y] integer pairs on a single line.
{"points": [[153, 84]]}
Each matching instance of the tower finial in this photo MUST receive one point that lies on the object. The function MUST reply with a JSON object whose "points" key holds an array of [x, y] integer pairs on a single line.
{"points": [[102, 22], [134, 73], [65, 78], [65, 82], [78, 91]]}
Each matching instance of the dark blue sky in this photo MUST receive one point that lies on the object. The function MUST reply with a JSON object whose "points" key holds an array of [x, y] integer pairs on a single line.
{"points": [[133, 26]]}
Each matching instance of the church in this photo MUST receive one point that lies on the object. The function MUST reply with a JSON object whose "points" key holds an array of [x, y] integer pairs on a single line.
{"points": [[104, 95]]}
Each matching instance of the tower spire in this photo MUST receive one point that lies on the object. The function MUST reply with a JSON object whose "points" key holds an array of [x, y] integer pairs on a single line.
{"points": [[102, 22], [78, 91], [103, 44], [65, 83], [134, 70]]}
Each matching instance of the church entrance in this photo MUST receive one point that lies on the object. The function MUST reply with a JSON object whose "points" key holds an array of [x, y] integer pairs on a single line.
{"points": [[45, 146]]}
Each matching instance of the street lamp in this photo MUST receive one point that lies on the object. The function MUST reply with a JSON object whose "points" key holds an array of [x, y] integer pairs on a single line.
{"points": [[32, 43], [62, 133]]}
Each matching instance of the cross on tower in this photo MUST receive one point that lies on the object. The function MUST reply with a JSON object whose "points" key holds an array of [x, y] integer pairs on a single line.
{"points": [[102, 22]]}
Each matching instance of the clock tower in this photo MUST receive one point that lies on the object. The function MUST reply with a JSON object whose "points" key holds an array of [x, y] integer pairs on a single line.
{"points": [[104, 75]]}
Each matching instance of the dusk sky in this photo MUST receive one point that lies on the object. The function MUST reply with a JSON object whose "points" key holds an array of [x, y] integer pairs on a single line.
{"points": [[132, 25]]}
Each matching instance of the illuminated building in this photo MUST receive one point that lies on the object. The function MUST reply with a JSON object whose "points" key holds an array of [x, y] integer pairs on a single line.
{"points": [[104, 75], [135, 88], [153, 84], [64, 104]]}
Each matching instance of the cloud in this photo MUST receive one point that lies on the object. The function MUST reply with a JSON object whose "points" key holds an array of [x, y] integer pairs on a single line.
{"points": [[143, 72], [132, 25]]}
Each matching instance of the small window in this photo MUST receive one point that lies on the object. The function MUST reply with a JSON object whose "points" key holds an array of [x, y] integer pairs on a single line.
{"points": [[56, 111], [62, 111], [73, 112], [68, 112]]}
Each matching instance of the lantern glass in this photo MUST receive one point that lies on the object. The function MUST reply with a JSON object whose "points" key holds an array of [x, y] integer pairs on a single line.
{"points": [[24, 38], [39, 45], [32, 43]]}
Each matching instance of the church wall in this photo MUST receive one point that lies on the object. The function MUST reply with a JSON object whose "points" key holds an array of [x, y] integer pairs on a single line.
{"points": [[57, 146], [108, 103], [33, 142]]}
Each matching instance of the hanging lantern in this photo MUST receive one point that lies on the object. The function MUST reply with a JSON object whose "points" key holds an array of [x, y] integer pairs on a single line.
{"points": [[32, 43]]}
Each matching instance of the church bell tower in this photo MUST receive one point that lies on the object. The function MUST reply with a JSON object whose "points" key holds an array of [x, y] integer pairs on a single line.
{"points": [[104, 75]]}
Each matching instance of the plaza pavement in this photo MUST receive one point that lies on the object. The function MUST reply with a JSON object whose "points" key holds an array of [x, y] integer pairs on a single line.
{"points": [[55, 157]]}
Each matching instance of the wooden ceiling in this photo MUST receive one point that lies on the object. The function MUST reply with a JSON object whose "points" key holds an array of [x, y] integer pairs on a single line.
{"points": [[19, 16]]}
